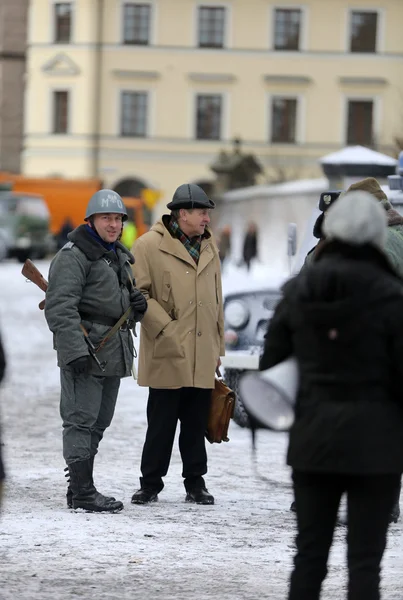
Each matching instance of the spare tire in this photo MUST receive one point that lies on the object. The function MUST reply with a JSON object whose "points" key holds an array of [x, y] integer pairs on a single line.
{"points": [[232, 377]]}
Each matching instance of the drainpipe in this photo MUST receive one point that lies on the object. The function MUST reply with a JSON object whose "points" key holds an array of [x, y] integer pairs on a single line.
{"points": [[97, 107]]}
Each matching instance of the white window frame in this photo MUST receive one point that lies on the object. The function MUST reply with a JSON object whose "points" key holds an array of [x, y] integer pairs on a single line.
{"points": [[225, 114], [153, 23], [151, 112], [300, 116], [51, 110], [377, 113], [304, 26], [380, 30], [52, 23], [227, 23]]}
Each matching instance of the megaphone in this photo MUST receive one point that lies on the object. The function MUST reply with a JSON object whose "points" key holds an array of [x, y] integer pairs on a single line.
{"points": [[269, 396]]}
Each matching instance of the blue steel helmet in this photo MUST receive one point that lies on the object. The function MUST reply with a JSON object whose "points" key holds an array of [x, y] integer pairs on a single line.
{"points": [[105, 201]]}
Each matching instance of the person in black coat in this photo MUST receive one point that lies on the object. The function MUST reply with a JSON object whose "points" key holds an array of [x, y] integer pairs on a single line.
{"points": [[249, 251], [342, 318]]}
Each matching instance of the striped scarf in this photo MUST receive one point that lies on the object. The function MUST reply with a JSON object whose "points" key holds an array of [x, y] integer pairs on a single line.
{"points": [[192, 245]]}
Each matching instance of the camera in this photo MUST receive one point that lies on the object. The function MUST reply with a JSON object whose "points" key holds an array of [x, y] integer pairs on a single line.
{"points": [[327, 198]]}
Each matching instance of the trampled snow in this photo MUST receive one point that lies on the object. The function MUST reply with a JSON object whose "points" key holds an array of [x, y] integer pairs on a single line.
{"points": [[240, 548]]}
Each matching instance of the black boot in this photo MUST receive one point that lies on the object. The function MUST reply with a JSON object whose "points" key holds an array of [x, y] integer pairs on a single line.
{"points": [[144, 496], [85, 495], [395, 514], [69, 492], [199, 495]]}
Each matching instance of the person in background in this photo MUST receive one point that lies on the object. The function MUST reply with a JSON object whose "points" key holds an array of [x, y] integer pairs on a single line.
{"points": [[91, 285], [342, 318], [2, 372], [393, 249], [129, 233], [178, 270], [224, 243], [394, 239], [250, 244], [62, 236]]}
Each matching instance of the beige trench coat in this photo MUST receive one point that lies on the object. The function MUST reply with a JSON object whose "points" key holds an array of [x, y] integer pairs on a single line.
{"points": [[182, 333]]}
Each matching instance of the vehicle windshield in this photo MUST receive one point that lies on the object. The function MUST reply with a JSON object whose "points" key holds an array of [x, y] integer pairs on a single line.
{"points": [[23, 207], [32, 207]]}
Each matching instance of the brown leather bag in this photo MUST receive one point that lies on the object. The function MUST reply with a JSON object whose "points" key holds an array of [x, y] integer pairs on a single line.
{"points": [[221, 410]]}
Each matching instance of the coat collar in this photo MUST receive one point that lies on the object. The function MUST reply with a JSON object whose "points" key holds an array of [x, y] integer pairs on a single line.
{"points": [[93, 249], [175, 247]]}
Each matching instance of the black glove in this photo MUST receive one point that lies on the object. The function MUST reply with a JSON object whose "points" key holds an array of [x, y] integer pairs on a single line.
{"points": [[138, 303], [81, 365]]}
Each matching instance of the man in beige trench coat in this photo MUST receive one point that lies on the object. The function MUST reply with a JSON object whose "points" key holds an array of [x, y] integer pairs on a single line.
{"points": [[177, 269]]}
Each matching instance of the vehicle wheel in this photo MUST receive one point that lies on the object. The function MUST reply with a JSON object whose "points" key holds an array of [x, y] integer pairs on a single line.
{"points": [[3, 249], [232, 377]]}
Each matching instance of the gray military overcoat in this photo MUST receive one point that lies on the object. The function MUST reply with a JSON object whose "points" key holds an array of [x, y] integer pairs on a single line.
{"points": [[86, 278]]}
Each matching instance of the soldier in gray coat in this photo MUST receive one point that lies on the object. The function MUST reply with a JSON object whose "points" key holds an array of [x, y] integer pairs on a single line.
{"points": [[91, 285]]}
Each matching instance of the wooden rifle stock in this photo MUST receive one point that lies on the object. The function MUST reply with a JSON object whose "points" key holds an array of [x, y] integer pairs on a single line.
{"points": [[33, 274]]}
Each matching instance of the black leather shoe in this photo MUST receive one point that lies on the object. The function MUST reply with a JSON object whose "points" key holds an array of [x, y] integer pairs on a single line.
{"points": [[199, 496], [144, 496]]}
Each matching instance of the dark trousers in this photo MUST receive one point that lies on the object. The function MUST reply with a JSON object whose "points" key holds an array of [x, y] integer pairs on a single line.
{"points": [[317, 499], [87, 406], [165, 407]]}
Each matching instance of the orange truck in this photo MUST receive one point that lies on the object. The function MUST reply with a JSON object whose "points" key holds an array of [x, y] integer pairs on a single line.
{"points": [[67, 199]]}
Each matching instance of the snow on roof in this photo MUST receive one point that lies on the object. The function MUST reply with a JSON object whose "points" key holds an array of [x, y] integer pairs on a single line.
{"points": [[357, 155], [299, 186]]}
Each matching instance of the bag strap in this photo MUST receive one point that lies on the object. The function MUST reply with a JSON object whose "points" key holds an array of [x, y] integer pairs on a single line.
{"points": [[218, 373]]}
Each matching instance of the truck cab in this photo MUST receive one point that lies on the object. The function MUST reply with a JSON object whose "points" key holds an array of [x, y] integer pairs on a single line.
{"points": [[24, 226]]}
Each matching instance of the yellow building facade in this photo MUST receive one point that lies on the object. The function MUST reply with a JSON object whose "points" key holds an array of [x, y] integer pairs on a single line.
{"points": [[148, 93]]}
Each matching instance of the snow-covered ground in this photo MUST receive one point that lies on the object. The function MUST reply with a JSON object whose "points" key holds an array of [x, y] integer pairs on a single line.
{"points": [[240, 548]]}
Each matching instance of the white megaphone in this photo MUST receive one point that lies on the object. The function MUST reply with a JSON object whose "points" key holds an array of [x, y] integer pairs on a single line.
{"points": [[269, 396]]}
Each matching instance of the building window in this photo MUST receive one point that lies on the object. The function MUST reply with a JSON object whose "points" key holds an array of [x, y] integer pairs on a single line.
{"points": [[363, 31], [134, 113], [287, 29], [284, 120], [208, 117], [211, 26], [136, 23], [360, 122], [63, 14], [60, 112]]}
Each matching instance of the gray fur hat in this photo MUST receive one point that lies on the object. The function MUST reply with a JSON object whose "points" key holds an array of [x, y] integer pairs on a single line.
{"points": [[357, 218]]}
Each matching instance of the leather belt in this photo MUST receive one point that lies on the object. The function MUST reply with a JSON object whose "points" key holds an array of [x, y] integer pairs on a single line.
{"points": [[101, 319]]}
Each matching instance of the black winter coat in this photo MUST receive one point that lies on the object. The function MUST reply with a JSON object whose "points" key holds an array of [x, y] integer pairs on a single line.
{"points": [[342, 318]]}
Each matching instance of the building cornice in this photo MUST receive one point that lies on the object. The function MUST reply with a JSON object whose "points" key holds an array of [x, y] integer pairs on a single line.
{"points": [[304, 79], [363, 80], [212, 77], [12, 55], [144, 75], [282, 55]]}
